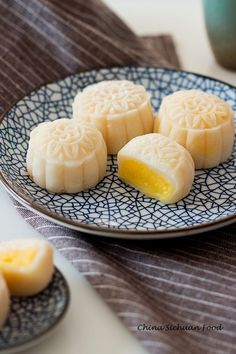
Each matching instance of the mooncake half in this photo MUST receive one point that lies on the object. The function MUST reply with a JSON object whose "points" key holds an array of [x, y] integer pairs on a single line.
{"points": [[4, 301], [157, 166], [27, 265], [120, 109], [201, 122], [66, 156]]}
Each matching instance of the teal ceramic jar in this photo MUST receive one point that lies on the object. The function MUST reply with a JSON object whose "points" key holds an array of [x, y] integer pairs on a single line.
{"points": [[220, 18]]}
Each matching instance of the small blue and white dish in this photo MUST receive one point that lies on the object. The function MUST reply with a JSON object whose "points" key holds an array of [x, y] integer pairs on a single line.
{"points": [[113, 208], [33, 318]]}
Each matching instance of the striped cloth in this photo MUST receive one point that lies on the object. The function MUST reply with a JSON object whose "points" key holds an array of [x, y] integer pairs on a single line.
{"points": [[43, 40], [177, 296], [183, 288]]}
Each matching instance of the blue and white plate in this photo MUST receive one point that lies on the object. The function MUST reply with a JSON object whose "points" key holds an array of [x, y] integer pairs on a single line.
{"points": [[113, 208], [33, 318]]}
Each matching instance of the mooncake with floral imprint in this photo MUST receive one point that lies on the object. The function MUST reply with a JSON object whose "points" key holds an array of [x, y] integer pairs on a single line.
{"points": [[120, 109], [66, 156], [157, 166], [27, 265], [4, 301], [201, 122]]}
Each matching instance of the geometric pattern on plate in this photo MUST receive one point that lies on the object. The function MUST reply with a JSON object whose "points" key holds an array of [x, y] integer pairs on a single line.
{"points": [[112, 204], [66, 156], [120, 109], [157, 166], [201, 122]]}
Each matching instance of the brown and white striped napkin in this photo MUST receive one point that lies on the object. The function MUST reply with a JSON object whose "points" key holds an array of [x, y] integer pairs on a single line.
{"points": [[177, 296]]}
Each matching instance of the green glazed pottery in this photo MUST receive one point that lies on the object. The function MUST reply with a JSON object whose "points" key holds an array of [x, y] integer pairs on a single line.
{"points": [[220, 18]]}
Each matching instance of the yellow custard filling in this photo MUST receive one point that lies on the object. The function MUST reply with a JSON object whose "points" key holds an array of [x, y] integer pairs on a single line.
{"points": [[17, 258], [145, 179]]}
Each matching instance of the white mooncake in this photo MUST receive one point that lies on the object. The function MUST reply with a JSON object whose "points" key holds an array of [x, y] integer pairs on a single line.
{"points": [[66, 156], [157, 166], [120, 109], [4, 301], [201, 122], [27, 265]]}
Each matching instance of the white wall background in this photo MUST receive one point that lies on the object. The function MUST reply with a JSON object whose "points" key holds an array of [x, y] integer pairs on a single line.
{"points": [[181, 18]]}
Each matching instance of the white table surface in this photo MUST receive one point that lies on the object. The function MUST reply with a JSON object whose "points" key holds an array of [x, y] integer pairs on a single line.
{"points": [[90, 327]]}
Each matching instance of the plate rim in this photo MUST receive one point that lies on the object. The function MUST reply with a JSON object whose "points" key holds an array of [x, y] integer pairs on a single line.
{"points": [[47, 332], [109, 231]]}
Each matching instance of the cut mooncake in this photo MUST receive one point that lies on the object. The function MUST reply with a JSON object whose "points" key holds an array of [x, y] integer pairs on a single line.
{"points": [[201, 122], [157, 166], [4, 301], [27, 265], [120, 109], [66, 156]]}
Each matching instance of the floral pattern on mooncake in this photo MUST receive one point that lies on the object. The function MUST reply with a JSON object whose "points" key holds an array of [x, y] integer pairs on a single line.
{"points": [[201, 122], [64, 139], [196, 109], [120, 109], [65, 156]]}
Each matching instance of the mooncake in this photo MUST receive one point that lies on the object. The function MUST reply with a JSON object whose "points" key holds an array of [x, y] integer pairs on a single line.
{"points": [[27, 265], [4, 301], [157, 166], [66, 156], [120, 109], [201, 122]]}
